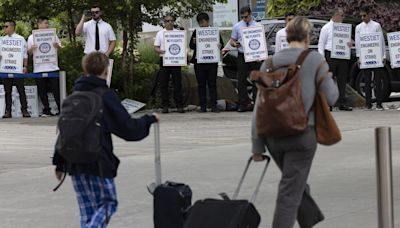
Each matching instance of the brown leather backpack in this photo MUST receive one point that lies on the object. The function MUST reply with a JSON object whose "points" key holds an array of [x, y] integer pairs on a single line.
{"points": [[279, 106]]}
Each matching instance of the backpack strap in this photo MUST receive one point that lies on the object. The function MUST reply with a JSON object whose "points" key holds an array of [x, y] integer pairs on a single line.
{"points": [[302, 57], [270, 64]]}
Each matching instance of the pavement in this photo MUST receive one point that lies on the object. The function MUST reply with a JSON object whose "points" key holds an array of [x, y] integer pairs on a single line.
{"points": [[207, 151]]}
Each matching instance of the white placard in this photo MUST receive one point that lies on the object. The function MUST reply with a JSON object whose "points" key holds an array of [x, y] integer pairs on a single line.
{"points": [[31, 98], [175, 48], [110, 69], [12, 55], [341, 37], [132, 106], [371, 50], [45, 51], [394, 48], [284, 43], [254, 43], [207, 45]]}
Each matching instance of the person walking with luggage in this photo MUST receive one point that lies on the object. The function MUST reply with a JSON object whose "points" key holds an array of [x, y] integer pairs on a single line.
{"points": [[9, 30], [244, 68], [206, 73], [338, 67], [168, 72], [369, 26], [280, 38], [94, 182], [44, 83], [294, 154]]}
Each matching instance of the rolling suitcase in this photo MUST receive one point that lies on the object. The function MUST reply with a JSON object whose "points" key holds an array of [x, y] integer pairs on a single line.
{"points": [[227, 213], [171, 199]]}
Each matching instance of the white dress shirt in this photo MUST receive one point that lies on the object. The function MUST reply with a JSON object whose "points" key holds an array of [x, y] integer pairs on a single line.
{"points": [[106, 34], [159, 41], [43, 67], [371, 27], [279, 43], [325, 38]]}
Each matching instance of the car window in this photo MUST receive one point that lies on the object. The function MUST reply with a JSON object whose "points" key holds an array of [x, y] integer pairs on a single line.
{"points": [[271, 31], [317, 26]]}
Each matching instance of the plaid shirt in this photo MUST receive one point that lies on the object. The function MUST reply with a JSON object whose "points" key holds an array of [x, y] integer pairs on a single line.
{"points": [[93, 205]]}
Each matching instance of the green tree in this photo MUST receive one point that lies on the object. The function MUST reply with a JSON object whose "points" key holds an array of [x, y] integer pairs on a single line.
{"points": [[278, 8]]}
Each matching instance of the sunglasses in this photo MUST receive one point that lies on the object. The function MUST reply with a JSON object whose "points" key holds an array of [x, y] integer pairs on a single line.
{"points": [[363, 15], [169, 21], [5, 26], [95, 12], [243, 17]]}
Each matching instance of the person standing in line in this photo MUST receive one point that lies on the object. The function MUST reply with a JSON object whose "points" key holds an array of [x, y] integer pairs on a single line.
{"points": [[281, 34], [166, 72], [294, 154], [244, 68], [206, 73], [338, 67], [44, 83], [369, 26], [98, 34], [9, 30]]}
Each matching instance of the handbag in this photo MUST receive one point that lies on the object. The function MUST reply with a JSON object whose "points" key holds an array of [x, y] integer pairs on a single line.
{"points": [[327, 131]]}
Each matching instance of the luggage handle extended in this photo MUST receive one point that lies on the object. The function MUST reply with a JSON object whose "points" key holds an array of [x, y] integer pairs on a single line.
{"points": [[157, 159], [253, 197]]}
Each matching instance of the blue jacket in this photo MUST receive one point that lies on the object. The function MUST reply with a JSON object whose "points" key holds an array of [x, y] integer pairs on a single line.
{"points": [[116, 120]]}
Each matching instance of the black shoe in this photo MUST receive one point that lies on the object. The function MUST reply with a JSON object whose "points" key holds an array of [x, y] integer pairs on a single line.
{"points": [[180, 110], [47, 113], [7, 115], [379, 107], [26, 114], [215, 109], [165, 110], [368, 106], [345, 108], [203, 109], [242, 108]]}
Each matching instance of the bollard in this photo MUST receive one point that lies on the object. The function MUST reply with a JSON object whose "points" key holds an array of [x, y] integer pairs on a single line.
{"points": [[63, 87], [384, 177]]}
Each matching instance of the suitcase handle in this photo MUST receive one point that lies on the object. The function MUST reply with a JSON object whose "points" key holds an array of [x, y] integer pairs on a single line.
{"points": [[253, 197], [157, 157]]}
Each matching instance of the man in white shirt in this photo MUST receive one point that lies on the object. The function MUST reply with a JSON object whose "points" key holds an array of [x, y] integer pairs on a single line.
{"points": [[166, 72], [98, 34], [338, 67], [44, 83], [365, 27], [280, 37], [9, 30]]}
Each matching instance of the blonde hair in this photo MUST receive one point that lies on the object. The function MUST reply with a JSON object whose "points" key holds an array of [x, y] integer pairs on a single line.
{"points": [[94, 63], [298, 29]]}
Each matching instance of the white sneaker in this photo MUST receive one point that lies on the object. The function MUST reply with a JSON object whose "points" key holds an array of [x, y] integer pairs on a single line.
{"points": [[398, 109]]}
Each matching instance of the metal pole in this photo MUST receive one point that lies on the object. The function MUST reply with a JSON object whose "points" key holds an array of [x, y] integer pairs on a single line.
{"points": [[63, 87], [384, 177], [157, 158]]}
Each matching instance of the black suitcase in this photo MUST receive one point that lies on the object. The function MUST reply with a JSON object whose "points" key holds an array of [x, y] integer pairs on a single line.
{"points": [[171, 199], [226, 213]]}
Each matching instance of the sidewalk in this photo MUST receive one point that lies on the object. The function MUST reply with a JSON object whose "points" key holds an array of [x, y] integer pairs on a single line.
{"points": [[208, 152]]}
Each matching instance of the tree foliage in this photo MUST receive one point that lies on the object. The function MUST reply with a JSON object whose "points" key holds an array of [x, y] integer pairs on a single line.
{"points": [[278, 8]]}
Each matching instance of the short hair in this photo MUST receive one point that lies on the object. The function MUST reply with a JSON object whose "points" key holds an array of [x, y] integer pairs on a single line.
{"points": [[42, 18], [95, 5], [366, 9], [169, 15], [298, 29], [337, 10], [288, 14], [202, 16], [12, 22], [94, 63], [245, 9]]}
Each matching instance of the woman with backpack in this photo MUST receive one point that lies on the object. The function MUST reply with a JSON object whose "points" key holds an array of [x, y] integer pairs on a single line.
{"points": [[93, 176], [294, 153]]}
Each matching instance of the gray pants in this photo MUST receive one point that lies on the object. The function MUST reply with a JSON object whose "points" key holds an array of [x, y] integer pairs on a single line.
{"points": [[294, 156]]}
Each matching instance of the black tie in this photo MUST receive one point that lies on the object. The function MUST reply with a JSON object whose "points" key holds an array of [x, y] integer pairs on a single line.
{"points": [[97, 44], [247, 24]]}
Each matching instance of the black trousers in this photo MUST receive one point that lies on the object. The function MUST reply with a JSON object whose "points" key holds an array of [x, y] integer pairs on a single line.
{"points": [[46, 85], [19, 83], [377, 72], [340, 70], [243, 73], [206, 74], [165, 75]]}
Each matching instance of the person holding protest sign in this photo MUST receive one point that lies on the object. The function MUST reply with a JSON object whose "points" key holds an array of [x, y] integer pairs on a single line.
{"points": [[244, 68], [280, 38], [40, 67], [206, 72], [166, 72], [338, 66], [368, 26], [9, 30], [98, 34]]}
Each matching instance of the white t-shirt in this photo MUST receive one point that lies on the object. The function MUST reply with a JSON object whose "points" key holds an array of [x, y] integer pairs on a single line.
{"points": [[43, 67], [280, 40], [159, 41], [106, 34]]}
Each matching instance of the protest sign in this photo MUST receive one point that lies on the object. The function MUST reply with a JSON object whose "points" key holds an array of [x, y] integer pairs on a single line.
{"points": [[341, 37], [12, 55], [371, 50], [207, 45], [394, 48], [254, 44], [132, 106], [45, 52], [175, 48]]}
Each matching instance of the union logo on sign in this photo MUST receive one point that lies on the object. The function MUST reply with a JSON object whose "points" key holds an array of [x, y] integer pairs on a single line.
{"points": [[370, 62], [174, 49], [44, 47], [254, 44], [340, 53]]}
